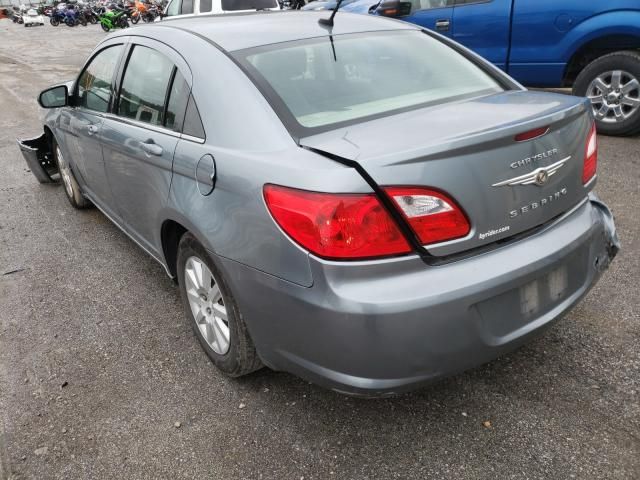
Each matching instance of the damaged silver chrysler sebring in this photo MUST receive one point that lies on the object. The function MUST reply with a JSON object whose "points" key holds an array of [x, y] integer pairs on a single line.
{"points": [[369, 206]]}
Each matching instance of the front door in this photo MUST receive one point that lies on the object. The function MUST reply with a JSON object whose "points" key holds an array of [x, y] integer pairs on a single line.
{"points": [[435, 15], [91, 102]]}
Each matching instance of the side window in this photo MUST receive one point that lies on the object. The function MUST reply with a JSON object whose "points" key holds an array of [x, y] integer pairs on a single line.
{"points": [[178, 98], [192, 121], [174, 8], [144, 86], [94, 84], [187, 7], [429, 4], [205, 6]]}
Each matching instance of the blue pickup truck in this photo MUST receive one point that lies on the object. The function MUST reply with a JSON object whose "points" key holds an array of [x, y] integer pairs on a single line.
{"points": [[592, 46]]}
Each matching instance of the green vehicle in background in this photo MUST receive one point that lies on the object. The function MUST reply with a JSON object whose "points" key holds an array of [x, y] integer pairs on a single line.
{"points": [[113, 18]]}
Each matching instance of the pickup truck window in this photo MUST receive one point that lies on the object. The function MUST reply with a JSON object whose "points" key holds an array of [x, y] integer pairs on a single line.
{"points": [[429, 4], [466, 2], [187, 7]]}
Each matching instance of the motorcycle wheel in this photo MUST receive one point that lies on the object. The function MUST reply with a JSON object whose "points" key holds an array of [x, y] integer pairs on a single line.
{"points": [[104, 27], [135, 19], [93, 20], [83, 22], [70, 23], [54, 21]]}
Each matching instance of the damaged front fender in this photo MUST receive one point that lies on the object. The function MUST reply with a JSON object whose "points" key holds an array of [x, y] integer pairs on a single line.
{"points": [[39, 157]]}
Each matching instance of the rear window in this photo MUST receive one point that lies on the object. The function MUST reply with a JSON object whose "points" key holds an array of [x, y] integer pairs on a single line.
{"points": [[231, 5], [320, 84]]}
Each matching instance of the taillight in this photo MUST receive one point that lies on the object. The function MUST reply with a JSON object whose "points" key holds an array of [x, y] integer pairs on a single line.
{"points": [[336, 225], [433, 216], [590, 156]]}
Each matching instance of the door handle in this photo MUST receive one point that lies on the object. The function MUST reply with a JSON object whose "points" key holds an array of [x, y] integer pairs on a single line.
{"points": [[91, 129], [151, 148], [443, 25]]}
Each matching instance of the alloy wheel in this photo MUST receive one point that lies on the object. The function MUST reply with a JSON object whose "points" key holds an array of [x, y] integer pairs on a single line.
{"points": [[207, 305], [614, 96]]}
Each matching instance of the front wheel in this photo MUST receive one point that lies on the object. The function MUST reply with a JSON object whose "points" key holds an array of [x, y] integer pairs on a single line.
{"points": [[54, 21], [71, 187], [135, 19], [212, 311], [70, 23], [104, 27], [612, 84]]}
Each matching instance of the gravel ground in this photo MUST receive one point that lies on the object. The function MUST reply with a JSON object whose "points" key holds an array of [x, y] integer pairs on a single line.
{"points": [[97, 365]]}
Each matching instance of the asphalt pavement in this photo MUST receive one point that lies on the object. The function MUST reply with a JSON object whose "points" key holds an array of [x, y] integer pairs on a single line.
{"points": [[101, 376]]}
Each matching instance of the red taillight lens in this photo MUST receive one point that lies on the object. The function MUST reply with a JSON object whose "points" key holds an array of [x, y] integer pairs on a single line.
{"points": [[338, 226], [433, 216], [590, 156]]}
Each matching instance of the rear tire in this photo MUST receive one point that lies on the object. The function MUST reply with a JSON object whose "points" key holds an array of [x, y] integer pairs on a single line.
{"points": [[54, 21], [612, 83], [71, 188], [236, 355]]}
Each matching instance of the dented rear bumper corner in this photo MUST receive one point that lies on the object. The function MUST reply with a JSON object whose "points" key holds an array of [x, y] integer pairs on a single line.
{"points": [[39, 157]]}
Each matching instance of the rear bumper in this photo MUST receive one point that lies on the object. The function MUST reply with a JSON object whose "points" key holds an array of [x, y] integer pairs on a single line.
{"points": [[39, 158], [376, 328]]}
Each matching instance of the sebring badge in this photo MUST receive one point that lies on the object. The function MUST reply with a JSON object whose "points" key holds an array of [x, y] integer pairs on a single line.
{"points": [[540, 176]]}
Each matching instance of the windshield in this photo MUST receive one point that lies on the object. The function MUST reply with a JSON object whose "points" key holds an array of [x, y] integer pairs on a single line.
{"points": [[322, 84]]}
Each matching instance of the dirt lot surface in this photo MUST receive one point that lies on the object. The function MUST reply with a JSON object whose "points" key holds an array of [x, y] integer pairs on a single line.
{"points": [[97, 363]]}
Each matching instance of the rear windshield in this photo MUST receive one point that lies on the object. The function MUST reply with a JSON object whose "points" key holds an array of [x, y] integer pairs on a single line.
{"points": [[326, 82], [234, 5]]}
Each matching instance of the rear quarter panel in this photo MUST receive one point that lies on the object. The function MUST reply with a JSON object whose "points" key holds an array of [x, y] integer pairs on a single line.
{"points": [[251, 147]]}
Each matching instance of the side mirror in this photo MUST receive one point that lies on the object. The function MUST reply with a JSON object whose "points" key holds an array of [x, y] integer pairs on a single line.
{"points": [[54, 97]]}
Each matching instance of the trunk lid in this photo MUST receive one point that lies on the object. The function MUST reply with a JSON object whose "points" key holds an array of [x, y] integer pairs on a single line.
{"points": [[468, 150]]}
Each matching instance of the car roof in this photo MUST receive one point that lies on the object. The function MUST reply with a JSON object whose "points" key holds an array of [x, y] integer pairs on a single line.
{"points": [[248, 30]]}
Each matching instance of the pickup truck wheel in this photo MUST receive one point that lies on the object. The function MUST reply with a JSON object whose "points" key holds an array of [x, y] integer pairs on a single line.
{"points": [[612, 84], [213, 312], [69, 182]]}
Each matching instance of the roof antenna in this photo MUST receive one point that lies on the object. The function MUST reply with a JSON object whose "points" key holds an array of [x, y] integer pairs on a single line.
{"points": [[328, 22]]}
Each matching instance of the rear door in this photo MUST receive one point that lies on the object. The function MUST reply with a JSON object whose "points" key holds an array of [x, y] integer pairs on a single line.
{"points": [[484, 26], [435, 15], [140, 137]]}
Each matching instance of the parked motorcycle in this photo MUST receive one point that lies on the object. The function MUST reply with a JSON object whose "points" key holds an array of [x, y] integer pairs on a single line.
{"points": [[113, 18], [57, 17], [72, 18], [151, 13]]}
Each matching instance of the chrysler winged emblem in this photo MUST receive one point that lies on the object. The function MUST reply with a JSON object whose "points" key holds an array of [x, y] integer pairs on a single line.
{"points": [[540, 176]]}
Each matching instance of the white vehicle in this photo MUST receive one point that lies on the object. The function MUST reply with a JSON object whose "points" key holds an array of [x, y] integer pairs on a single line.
{"points": [[32, 17], [190, 8]]}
